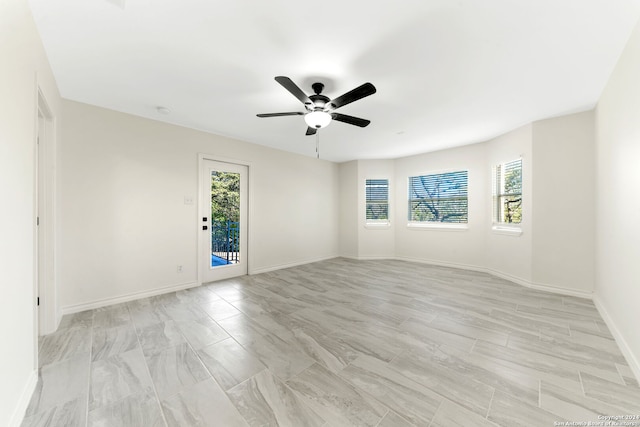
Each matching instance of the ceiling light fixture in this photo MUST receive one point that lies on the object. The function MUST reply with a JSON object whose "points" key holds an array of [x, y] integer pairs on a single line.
{"points": [[317, 119]]}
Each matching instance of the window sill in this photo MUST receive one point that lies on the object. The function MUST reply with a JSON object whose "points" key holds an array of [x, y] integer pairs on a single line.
{"points": [[382, 225], [506, 230], [437, 226]]}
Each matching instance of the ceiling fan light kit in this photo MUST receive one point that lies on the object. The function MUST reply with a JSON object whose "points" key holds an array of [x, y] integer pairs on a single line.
{"points": [[319, 108], [317, 119]]}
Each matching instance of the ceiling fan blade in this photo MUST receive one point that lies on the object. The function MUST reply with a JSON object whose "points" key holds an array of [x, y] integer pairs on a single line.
{"points": [[295, 113], [357, 121], [311, 131], [289, 85], [353, 95]]}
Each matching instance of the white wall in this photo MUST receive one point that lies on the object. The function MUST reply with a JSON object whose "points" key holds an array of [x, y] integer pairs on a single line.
{"points": [[375, 241], [125, 227], [564, 203], [24, 68], [510, 254], [617, 203], [357, 240], [549, 253], [460, 248], [348, 228]]}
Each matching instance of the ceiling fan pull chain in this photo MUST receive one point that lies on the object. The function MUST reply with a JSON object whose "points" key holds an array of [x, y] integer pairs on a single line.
{"points": [[318, 144]]}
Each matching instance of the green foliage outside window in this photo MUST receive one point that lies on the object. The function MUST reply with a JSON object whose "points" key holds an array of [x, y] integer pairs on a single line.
{"points": [[225, 197], [507, 192]]}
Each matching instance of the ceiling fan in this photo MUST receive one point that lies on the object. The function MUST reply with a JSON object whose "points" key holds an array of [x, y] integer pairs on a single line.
{"points": [[321, 109]]}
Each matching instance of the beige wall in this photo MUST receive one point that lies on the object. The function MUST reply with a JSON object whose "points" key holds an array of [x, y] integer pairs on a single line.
{"points": [[564, 202], [617, 203], [348, 227], [375, 241], [508, 254], [460, 248], [478, 247], [124, 224], [24, 68], [548, 253], [357, 240]]}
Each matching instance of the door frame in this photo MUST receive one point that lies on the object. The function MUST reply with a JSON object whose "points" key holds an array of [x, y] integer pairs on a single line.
{"points": [[46, 314], [202, 157]]}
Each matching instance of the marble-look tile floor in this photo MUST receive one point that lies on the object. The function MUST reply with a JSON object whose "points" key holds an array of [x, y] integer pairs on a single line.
{"points": [[336, 343]]}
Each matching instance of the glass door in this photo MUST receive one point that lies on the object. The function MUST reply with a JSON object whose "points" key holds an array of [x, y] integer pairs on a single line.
{"points": [[223, 220]]}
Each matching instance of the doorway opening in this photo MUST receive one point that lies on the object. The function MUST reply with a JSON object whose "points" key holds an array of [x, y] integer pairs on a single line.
{"points": [[223, 210]]}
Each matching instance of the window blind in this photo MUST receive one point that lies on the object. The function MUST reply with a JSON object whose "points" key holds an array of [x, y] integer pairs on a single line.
{"points": [[377, 199], [440, 197]]}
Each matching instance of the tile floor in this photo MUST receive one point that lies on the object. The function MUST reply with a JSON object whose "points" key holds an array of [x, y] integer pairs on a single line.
{"points": [[336, 343]]}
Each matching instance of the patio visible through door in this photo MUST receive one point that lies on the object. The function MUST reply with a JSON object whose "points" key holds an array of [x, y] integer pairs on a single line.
{"points": [[223, 220]]}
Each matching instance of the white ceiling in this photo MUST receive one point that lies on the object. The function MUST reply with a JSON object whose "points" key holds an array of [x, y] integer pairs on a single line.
{"points": [[448, 72]]}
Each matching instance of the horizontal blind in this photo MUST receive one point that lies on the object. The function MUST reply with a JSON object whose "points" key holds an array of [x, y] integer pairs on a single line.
{"points": [[507, 192], [512, 174], [439, 197], [377, 199]]}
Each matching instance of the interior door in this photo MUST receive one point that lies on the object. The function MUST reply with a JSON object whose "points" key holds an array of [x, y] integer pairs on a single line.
{"points": [[223, 220]]}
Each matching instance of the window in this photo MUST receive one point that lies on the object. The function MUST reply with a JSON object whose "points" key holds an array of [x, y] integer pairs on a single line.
{"points": [[439, 198], [377, 200], [507, 192]]}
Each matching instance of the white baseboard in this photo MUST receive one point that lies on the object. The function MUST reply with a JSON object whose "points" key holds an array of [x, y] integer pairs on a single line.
{"points": [[367, 258], [76, 308], [506, 276], [51, 328], [561, 291], [126, 298], [515, 279], [442, 263], [25, 398], [59, 315], [259, 270], [542, 286], [632, 359]]}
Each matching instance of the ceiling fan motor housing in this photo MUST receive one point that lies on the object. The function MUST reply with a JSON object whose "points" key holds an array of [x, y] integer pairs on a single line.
{"points": [[318, 101]]}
